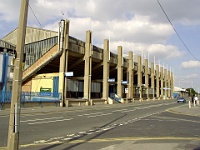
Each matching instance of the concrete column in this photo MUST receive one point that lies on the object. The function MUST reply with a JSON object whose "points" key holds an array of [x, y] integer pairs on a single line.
{"points": [[161, 82], [172, 84], [147, 78], [63, 45], [139, 75], [14, 121], [166, 86], [153, 80], [169, 82], [157, 82], [88, 66], [130, 75], [106, 69], [119, 72]]}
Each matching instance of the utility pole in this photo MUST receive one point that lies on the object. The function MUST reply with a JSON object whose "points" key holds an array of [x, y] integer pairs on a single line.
{"points": [[13, 130]]}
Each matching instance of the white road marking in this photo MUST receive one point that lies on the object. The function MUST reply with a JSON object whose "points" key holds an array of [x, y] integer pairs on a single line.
{"points": [[41, 119], [90, 114], [120, 110], [100, 115], [43, 122], [128, 111]]}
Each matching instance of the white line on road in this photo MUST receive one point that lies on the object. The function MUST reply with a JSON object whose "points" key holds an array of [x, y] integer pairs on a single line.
{"points": [[99, 115], [119, 110], [128, 111], [41, 119], [90, 114], [43, 122]]}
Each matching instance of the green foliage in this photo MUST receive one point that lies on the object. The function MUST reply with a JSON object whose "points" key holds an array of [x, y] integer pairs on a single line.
{"points": [[191, 91]]}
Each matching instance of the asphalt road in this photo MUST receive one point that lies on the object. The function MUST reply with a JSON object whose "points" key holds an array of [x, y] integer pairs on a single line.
{"points": [[104, 127]]}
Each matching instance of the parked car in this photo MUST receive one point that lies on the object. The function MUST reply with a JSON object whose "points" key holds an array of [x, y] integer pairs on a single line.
{"points": [[181, 99]]}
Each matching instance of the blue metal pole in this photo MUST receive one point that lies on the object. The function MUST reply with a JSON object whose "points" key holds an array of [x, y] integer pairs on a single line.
{"points": [[5, 72]]}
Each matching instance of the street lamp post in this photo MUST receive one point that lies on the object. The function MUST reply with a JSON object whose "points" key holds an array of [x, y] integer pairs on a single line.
{"points": [[13, 131]]}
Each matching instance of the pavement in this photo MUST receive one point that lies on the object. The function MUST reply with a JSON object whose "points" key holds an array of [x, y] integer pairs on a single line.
{"points": [[126, 144], [185, 110], [182, 109]]}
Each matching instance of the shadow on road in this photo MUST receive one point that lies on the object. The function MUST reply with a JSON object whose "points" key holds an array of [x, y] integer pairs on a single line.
{"points": [[83, 135]]}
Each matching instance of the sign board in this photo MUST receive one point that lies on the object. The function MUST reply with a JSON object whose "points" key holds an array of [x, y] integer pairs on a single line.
{"points": [[165, 88], [111, 80], [124, 82], [69, 74], [1, 67], [126, 90], [45, 91]]}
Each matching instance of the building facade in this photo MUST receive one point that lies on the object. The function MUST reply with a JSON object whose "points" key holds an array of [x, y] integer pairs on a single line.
{"points": [[79, 69]]}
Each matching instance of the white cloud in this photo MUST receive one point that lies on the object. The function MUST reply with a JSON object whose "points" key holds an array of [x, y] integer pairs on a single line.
{"points": [[138, 35], [137, 25], [190, 64], [9, 10], [191, 76], [165, 51]]}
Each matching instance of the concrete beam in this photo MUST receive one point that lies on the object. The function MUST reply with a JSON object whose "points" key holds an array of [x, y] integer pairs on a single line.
{"points": [[153, 80], [76, 63], [106, 70], [161, 82], [88, 66], [64, 45], [157, 82], [119, 72], [130, 75], [139, 75], [147, 77]]}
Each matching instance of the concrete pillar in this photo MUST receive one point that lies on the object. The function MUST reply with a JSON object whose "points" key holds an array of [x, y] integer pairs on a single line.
{"points": [[161, 82], [63, 61], [157, 82], [139, 75], [147, 78], [130, 75], [169, 82], [106, 70], [153, 80], [172, 84], [88, 66], [14, 121], [165, 85], [119, 72]]}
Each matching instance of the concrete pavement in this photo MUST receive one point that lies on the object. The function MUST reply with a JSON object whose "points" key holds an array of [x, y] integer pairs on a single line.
{"points": [[149, 144], [181, 109]]}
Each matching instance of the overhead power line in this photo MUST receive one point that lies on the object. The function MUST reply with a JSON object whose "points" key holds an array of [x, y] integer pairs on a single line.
{"points": [[35, 15], [176, 31]]}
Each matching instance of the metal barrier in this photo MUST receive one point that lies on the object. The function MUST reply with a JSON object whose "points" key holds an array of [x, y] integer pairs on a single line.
{"points": [[5, 97]]}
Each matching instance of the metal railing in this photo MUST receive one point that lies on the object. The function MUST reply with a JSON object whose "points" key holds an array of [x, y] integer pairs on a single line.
{"points": [[115, 97], [36, 50], [5, 97]]}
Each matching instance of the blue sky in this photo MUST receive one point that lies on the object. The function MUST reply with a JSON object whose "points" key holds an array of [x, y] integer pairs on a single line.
{"points": [[138, 26]]}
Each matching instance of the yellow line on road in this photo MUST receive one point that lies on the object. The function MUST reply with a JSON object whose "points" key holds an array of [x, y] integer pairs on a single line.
{"points": [[110, 140], [135, 139]]}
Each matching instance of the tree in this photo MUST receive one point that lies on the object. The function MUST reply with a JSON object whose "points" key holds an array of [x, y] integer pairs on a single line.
{"points": [[191, 91]]}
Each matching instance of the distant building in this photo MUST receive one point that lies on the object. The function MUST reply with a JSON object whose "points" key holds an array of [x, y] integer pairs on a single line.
{"points": [[179, 92], [6, 66]]}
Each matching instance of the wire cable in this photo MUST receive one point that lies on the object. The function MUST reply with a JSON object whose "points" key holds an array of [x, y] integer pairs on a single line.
{"points": [[177, 32], [35, 15]]}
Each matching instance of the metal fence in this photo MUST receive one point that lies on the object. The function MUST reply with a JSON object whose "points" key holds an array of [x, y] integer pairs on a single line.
{"points": [[5, 97]]}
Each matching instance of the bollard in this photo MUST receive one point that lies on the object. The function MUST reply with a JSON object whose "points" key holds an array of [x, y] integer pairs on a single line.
{"points": [[189, 104], [194, 103]]}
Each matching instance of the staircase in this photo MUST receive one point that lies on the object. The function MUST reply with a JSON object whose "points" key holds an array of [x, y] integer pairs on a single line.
{"points": [[41, 62], [116, 98]]}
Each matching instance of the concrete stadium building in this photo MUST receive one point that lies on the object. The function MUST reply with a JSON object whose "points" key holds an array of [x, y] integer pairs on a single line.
{"points": [[79, 71]]}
